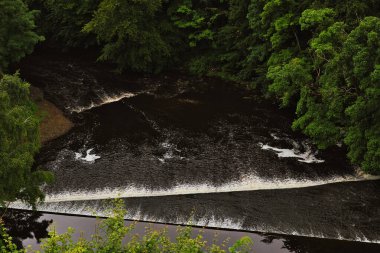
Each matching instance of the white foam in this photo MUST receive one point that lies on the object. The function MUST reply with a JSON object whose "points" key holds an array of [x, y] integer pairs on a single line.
{"points": [[90, 158], [171, 149], [104, 100], [306, 157], [274, 136], [208, 221], [246, 183]]}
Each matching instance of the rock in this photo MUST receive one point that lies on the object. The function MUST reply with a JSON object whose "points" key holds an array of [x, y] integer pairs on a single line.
{"points": [[36, 94], [54, 124]]}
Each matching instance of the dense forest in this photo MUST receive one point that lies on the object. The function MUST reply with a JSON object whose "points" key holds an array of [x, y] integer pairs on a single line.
{"points": [[319, 58]]}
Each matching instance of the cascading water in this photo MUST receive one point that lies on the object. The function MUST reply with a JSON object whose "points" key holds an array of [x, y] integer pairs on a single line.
{"points": [[172, 151], [103, 100]]}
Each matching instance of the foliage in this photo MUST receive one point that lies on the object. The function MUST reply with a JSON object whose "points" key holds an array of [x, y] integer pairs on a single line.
{"points": [[6, 243], [133, 34], [111, 238], [17, 36], [332, 80], [218, 36], [198, 19], [19, 142], [320, 57], [64, 20]]}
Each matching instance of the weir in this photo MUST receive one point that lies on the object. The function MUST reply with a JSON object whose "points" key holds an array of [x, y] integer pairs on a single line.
{"points": [[247, 184], [344, 211], [220, 156]]}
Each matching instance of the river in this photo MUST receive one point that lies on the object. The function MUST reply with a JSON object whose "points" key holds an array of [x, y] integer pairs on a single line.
{"points": [[177, 148]]}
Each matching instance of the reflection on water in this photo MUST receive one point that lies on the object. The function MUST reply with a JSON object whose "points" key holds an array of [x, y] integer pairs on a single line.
{"points": [[23, 225], [29, 228]]}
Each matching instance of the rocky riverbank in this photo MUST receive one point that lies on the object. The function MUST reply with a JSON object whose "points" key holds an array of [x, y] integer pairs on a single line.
{"points": [[54, 124]]}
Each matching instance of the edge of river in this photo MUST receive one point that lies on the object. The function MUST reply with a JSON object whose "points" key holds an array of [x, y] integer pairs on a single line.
{"points": [[54, 123]]}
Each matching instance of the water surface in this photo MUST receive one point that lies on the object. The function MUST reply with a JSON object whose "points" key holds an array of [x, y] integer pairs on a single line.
{"points": [[173, 145]]}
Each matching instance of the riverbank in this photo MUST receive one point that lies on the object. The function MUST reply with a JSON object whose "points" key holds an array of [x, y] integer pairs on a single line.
{"points": [[54, 123]]}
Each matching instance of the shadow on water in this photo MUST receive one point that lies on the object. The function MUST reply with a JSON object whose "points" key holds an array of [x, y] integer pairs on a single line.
{"points": [[23, 225], [28, 228], [315, 245]]}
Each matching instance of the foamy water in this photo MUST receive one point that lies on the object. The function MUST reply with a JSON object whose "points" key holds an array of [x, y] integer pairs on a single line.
{"points": [[171, 152], [247, 183], [89, 158], [208, 221], [306, 157], [104, 100]]}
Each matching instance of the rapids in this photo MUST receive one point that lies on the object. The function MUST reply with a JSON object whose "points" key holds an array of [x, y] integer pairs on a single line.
{"points": [[177, 147]]}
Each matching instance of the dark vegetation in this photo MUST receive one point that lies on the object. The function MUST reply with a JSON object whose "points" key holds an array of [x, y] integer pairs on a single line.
{"points": [[19, 135]]}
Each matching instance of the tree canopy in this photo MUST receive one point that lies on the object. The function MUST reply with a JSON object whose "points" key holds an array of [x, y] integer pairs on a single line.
{"points": [[17, 36], [325, 59], [133, 34], [19, 123], [19, 142]]}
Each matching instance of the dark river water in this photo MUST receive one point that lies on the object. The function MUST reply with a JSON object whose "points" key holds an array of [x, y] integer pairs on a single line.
{"points": [[177, 148]]}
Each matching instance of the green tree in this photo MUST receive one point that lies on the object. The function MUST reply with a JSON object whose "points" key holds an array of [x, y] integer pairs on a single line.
{"points": [[335, 81], [6, 243], [133, 33], [19, 142], [350, 88], [62, 21], [198, 21], [322, 59], [17, 36]]}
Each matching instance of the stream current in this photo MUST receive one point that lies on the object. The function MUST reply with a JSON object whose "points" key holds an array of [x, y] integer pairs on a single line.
{"points": [[178, 149]]}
